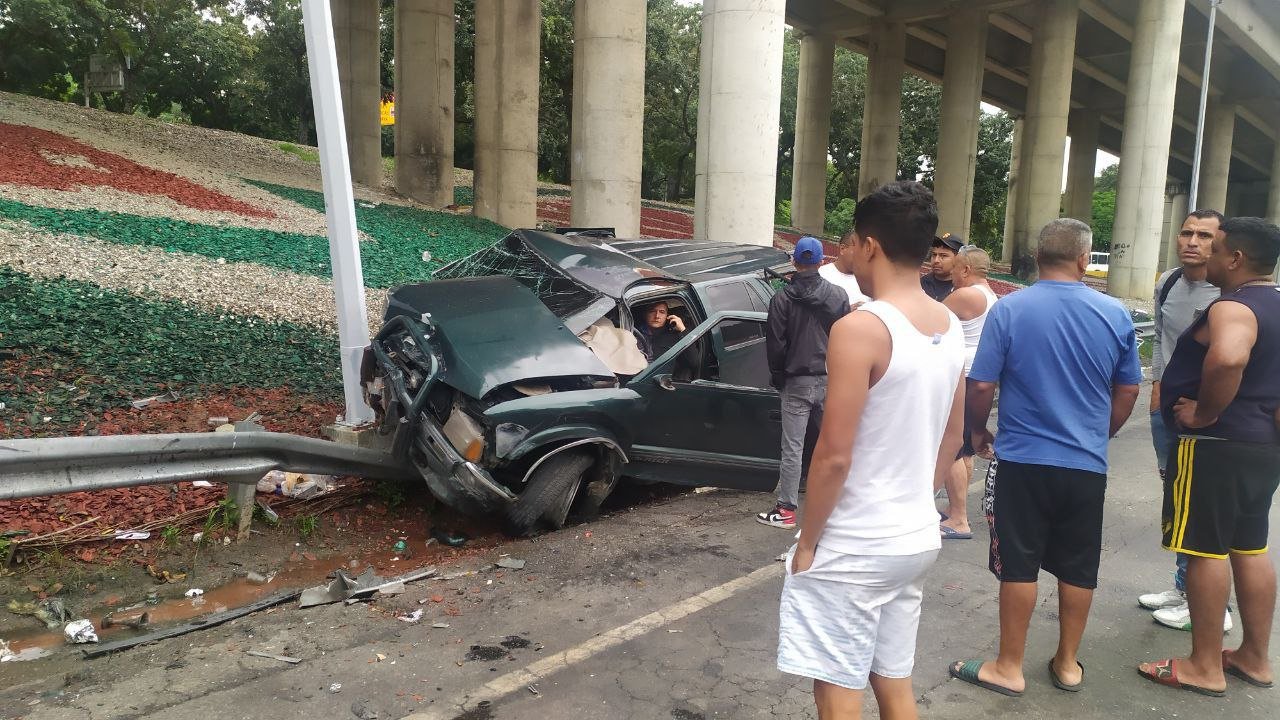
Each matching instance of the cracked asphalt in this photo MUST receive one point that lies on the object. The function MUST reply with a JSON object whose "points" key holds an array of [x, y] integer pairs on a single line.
{"points": [[606, 620]]}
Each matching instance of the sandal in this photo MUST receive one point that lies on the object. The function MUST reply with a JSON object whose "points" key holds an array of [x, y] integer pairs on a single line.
{"points": [[1058, 683], [1165, 673], [967, 670], [1230, 668]]}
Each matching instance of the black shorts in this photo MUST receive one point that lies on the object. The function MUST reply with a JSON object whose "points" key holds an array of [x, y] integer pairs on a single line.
{"points": [[1217, 494], [1043, 516]]}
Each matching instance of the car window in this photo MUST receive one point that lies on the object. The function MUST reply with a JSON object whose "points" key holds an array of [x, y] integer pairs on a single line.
{"points": [[732, 296], [739, 358]]}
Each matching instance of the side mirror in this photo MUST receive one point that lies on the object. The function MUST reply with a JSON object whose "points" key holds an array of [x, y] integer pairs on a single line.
{"points": [[664, 381]]}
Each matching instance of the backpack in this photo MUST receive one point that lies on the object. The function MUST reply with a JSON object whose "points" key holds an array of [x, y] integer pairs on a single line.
{"points": [[1167, 288]]}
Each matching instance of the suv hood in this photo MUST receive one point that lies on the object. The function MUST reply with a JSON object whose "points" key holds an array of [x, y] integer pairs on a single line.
{"points": [[491, 331]]}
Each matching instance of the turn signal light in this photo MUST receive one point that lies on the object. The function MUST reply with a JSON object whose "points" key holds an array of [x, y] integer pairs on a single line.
{"points": [[474, 450]]}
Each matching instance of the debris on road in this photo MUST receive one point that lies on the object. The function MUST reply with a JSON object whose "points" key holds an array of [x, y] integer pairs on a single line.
{"points": [[202, 623], [257, 578], [5, 653], [132, 535], [335, 688], [194, 592], [166, 576], [135, 620], [534, 689], [343, 587], [412, 617], [444, 537], [510, 563], [80, 632], [391, 588], [295, 485], [52, 612], [269, 656], [440, 626]]}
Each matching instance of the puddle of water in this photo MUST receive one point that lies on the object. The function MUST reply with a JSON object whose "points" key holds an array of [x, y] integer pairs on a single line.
{"points": [[38, 643]]}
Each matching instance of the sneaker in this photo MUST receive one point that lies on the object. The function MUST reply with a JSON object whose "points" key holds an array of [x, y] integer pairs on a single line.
{"points": [[778, 517], [1166, 599], [1179, 618]]}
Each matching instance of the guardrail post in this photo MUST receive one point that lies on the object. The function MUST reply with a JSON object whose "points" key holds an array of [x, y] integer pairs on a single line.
{"points": [[241, 492]]}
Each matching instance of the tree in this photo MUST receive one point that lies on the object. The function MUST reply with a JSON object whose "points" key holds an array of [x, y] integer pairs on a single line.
{"points": [[1108, 178], [671, 99], [1104, 219]]}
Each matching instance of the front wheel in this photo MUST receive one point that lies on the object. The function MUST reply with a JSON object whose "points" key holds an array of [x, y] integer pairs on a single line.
{"points": [[546, 500]]}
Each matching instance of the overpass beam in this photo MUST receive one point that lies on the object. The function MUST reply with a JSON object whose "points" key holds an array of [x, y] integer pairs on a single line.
{"points": [[424, 101], [1144, 150], [1083, 126], [508, 57], [1215, 164], [882, 108], [813, 134], [1053, 43], [1011, 200], [608, 114], [740, 88], [961, 113], [356, 36]]}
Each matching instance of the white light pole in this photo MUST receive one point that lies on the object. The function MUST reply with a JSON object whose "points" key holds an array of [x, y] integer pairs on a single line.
{"points": [[1204, 101], [339, 204]]}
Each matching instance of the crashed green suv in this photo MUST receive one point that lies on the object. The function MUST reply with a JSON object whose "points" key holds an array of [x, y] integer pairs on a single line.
{"points": [[514, 383]]}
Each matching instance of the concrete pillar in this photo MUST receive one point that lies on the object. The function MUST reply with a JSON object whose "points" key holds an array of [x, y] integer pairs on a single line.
{"points": [[1178, 212], [356, 35], [1083, 126], [424, 100], [508, 58], [1148, 123], [1053, 42], [740, 88], [1273, 195], [1215, 161], [608, 114], [882, 108], [813, 134], [958, 128], [1011, 200]]}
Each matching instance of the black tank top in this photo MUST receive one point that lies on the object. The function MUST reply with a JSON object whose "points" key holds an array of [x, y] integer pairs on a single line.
{"points": [[1251, 415]]}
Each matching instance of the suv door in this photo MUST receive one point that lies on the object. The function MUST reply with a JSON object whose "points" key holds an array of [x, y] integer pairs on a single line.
{"points": [[723, 426]]}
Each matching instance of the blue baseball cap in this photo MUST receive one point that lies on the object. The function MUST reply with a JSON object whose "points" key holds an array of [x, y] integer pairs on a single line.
{"points": [[808, 251]]}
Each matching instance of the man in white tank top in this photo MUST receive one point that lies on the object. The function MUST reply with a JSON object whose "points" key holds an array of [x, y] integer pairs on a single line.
{"points": [[850, 605], [971, 301]]}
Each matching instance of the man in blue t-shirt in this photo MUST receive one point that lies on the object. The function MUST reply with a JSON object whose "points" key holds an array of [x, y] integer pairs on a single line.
{"points": [[1066, 360]]}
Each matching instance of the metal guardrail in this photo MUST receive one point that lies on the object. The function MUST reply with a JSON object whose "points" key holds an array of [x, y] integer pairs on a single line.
{"points": [[50, 466]]}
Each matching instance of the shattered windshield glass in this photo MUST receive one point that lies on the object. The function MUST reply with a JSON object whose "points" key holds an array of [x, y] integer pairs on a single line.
{"points": [[511, 257]]}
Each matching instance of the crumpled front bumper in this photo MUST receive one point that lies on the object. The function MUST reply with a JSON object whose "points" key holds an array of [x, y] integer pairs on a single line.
{"points": [[457, 482]]}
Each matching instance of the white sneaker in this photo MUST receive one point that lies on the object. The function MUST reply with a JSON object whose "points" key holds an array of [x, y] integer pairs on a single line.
{"points": [[1179, 618], [1166, 599]]}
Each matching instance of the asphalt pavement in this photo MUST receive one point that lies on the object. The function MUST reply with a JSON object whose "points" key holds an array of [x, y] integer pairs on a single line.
{"points": [[661, 610]]}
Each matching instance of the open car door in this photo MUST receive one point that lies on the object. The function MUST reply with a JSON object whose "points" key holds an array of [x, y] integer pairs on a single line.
{"points": [[710, 416]]}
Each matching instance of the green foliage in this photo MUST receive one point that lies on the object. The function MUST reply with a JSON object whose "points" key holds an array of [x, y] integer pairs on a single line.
{"points": [[671, 99], [991, 182], [129, 347], [307, 525], [260, 515], [171, 535], [840, 218], [306, 154], [782, 213], [1104, 219], [224, 516], [1108, 179]]}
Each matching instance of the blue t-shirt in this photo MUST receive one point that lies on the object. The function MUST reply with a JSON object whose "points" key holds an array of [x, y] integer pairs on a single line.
{"points": [[1057, 348]]}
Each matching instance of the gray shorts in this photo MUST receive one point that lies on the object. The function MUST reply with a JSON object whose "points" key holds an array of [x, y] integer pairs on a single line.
{"points": [[848, 616]]}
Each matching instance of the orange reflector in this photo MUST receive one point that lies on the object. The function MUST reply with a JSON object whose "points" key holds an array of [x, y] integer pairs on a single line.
{"points": [[474, 450]]}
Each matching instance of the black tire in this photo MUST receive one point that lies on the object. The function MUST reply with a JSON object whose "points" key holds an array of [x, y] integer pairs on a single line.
{"points": [[545, 502]]}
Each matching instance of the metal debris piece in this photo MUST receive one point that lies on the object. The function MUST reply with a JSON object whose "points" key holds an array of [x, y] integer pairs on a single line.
{"points": [[412, 617], [335, 688], [132, 535], [52, 611], [440, 626], [391, 588], [135, 621], [269, 656], [342, 587], [510, 563]]}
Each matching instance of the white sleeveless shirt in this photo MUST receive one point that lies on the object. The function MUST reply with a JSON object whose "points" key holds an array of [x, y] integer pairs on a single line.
{"points": [[973, 328], [886, 506]]}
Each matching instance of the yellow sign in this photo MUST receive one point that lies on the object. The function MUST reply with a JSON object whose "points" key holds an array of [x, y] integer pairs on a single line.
{"points": [[388, 112]]}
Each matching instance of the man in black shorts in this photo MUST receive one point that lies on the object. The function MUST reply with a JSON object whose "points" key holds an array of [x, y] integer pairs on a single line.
{"points": [[1221, 391], [1067, 383]]}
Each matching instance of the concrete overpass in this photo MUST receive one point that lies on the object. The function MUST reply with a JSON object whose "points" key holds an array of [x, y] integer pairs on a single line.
{"points": [[1121, 75]]}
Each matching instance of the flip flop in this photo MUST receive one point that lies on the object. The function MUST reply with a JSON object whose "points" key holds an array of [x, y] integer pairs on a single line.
{"points": [[1230, 668], [950, 533], [1166, 674], [967, 670], [1057, 681]]}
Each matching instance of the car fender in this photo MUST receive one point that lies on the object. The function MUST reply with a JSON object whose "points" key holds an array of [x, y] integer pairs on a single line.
{"points": [[564, 437]]}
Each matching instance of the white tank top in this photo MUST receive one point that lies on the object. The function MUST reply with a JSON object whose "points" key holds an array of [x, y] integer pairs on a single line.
{"points": [[886, 507], [973, 328]]}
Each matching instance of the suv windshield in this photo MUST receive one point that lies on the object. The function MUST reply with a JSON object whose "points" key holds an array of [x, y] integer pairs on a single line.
{"points": [[513, 258]]}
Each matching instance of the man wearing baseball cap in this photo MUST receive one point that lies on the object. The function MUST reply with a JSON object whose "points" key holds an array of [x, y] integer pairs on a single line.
{"points": [[800, 319], [937, 282]]}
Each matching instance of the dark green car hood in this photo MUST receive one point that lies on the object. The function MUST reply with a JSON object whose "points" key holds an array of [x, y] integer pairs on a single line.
{"points": [[491, 331]]}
